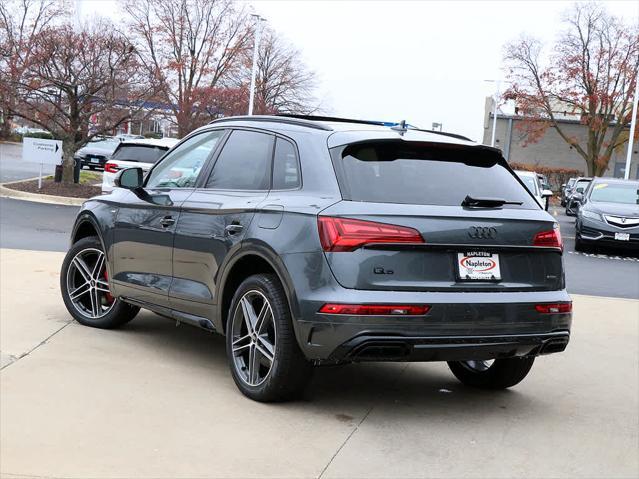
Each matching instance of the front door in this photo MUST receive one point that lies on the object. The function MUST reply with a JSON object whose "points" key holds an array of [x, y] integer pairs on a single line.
{"points": [[215, 218], [146, 222]]}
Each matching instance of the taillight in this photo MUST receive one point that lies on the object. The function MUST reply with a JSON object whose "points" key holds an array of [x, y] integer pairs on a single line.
{"points": [[111, 168], [550, 308], [345, 234], [375, 309], [551, 239]]}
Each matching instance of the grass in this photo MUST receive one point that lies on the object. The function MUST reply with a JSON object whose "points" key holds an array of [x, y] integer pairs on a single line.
{"points": [[90, 178]]}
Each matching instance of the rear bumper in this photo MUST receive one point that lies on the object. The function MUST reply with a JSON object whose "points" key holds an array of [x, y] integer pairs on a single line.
{"points": [[451, 348]]}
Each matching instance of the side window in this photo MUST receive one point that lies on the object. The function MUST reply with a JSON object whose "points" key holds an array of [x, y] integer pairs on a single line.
{"points": [[286, 169], [180, 168], [245, 162]]}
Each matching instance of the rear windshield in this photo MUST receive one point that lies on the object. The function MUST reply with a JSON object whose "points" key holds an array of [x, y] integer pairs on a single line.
{"points": [[423, 173], [624, 193], [139, 153]]}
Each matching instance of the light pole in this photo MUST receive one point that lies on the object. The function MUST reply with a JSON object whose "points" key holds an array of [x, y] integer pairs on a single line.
{"points": [[495, 98], [633, 124], [258, 31]]}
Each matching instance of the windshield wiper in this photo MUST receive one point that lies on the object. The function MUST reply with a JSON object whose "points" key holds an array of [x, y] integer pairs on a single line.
{"points": [[487, 202]]}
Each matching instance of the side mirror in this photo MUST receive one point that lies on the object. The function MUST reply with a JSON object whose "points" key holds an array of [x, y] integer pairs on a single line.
{"points": [[563, 185], [578, 197], [546, 193], [580, 190], [129, 178]]}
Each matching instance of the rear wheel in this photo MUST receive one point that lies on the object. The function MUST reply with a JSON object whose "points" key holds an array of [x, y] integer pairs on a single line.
{"points": [[85, 288], [493, 374], [265, 359]]}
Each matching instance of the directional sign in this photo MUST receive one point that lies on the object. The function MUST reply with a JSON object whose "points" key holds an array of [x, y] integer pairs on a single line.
{"points": [[45, 152]]}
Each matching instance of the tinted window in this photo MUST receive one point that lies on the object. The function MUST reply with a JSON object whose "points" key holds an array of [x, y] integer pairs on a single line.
{"points": [[245, 162], [418, 173], [139, 153], [286, 170], [181, 167]]}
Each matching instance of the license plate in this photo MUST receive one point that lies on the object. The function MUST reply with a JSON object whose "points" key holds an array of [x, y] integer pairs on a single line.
{"points": [[95, 160], [622, 236], [478, 266]]}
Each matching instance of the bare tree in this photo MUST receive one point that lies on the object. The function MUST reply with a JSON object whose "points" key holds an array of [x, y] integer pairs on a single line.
{"points": [[20, 23], [77, 79], [192, 48], [591, 73], [283, 83]]}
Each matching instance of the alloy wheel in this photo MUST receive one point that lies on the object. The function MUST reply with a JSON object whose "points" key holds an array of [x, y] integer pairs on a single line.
{"points": [[87, 284], [253, 338], [479, 366]]}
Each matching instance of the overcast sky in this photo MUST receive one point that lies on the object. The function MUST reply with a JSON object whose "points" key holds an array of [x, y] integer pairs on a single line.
{"points": [[418, 61]]}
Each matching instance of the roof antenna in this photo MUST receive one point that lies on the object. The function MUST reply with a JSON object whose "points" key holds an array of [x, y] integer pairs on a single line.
{"points": [[400, 127]]}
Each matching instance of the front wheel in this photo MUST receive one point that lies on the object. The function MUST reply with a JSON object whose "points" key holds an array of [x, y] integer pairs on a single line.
{"points": [[85, 287], [265, 359], [493, 374]]}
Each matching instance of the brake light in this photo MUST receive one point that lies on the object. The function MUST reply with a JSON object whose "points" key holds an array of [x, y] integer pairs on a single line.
{"points": [[111, 168], [550, 308], [345, 234], [375, 309], [551, 239]]}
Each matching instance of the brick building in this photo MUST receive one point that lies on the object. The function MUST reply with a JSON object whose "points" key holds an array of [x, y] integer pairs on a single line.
{"points": [[551, 150]]}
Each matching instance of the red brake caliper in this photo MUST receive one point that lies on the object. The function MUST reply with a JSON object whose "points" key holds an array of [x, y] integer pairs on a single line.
{"points": [[109, 298]]}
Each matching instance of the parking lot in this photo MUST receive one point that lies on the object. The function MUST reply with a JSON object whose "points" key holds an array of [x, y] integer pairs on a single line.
{"points": [[153, 400]]}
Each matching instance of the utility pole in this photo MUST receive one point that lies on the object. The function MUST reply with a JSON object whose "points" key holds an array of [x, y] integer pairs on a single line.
{"points": [[633, 125], [256, 45]]}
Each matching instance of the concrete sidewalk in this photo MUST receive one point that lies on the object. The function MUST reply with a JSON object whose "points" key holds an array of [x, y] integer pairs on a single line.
{"points": [[153, 400]]}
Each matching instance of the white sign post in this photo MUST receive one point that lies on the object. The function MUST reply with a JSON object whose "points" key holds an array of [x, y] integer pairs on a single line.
{"points": [[36, 150]]}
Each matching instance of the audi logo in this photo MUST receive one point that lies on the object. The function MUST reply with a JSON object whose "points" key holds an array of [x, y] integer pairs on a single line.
{"points": [[482, 232]]}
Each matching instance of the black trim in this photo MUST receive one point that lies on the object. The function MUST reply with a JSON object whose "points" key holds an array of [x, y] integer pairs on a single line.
{"points": [[275, 119]]}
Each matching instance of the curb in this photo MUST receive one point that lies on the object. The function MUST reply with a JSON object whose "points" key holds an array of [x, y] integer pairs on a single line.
{"points": [[38, 198]]}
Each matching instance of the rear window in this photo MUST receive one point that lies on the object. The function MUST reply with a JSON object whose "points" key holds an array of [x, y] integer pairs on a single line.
{"points": [[139, 153], [423, 173]]}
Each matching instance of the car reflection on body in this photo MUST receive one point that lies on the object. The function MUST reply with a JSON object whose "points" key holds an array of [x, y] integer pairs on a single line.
{"points": [[608, 214]]}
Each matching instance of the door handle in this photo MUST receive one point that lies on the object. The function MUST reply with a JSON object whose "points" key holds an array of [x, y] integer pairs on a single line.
{"points": [[167, 221], [233, 228]]}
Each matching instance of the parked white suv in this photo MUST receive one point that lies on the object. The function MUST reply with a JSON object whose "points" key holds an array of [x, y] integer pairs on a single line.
{"points": [[533, 183], [143, 153]]}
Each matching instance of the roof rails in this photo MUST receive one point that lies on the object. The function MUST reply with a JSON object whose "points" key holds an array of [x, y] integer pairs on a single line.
{"points": [[312, 121], [372, 122], [276, 119]]}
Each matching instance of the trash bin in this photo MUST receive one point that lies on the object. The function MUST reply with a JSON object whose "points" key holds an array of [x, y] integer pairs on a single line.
{"points": [[57, 177]]}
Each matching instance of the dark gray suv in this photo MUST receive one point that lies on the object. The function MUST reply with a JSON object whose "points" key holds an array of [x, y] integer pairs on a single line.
{"points": [[318, 241]]}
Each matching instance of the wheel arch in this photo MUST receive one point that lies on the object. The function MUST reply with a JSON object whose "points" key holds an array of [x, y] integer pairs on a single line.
{"points": [[254, 259]]}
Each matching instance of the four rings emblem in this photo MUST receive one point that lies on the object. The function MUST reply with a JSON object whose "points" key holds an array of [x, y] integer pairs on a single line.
{"points": [[482, 232]]}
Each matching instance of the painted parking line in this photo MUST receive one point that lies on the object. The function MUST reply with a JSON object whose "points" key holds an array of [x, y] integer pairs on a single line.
{"points": [[605, 256]]}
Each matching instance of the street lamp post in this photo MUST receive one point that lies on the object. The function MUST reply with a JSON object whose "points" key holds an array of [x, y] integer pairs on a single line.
{"points": [[633, 124], [258, 31], [495, 98]]}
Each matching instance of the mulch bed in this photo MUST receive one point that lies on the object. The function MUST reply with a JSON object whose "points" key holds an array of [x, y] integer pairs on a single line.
{"points": [[49, 187]]}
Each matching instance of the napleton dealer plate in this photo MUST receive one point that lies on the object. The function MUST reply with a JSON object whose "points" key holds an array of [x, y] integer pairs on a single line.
{"points": [[478, 266]]}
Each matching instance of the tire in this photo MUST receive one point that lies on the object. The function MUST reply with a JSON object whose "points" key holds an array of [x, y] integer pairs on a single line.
{"points": [[283, 372], [501, 374], [94, 306], [579, 245]]}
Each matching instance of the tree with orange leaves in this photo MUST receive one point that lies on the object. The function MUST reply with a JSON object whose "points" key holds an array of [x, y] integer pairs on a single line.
{"points": [[590, 73]]}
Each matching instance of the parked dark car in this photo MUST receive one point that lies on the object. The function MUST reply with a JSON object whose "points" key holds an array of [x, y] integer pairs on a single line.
{"points": [[608, 215], [317, 241], [566, 189], [572, 205], [97, 153]]}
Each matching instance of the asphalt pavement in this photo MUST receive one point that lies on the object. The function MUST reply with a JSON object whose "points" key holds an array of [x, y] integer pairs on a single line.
{"points": [[13, 168], [37, 226]]}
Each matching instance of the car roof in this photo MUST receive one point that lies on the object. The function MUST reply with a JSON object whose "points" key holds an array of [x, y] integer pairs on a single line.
{"points": [[614, 180], [525, 173], [161, 142], [340, 131]]}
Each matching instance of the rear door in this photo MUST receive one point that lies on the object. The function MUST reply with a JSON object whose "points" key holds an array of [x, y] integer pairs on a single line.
{"points": [[216, 216], [146, 221], [420, 188]]}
